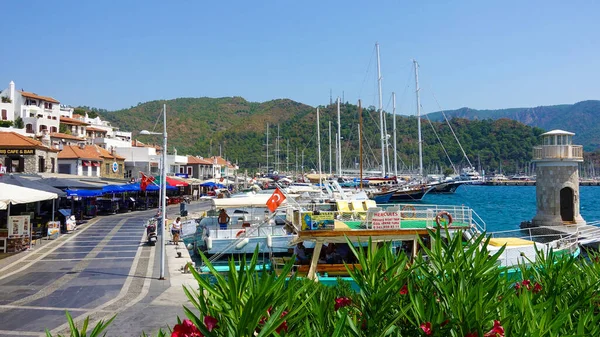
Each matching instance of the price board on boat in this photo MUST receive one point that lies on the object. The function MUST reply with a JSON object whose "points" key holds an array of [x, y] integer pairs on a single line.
{"points": [[386, 220], [312, 221]]}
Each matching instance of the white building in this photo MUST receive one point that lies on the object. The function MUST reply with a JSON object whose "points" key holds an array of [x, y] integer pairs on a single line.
{"points": [[38, 112], [139, 158]]}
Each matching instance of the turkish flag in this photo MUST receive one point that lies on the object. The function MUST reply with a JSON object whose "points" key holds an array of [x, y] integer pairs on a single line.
{"points": [[146, 180], [275, 200]]}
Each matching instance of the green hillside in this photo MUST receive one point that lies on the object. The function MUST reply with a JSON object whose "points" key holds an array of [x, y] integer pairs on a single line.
{"points": [[583, 118], [237, 128]]}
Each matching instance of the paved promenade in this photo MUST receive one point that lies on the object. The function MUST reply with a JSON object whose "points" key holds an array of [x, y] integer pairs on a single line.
{"points": [[101, 269]]}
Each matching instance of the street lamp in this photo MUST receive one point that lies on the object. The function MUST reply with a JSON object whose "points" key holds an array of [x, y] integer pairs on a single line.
{"points": [[163, 190]]}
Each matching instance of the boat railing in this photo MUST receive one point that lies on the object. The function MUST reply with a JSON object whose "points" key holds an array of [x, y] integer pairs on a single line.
{"points": [[559, 239], [248, 232], [361, 215]]}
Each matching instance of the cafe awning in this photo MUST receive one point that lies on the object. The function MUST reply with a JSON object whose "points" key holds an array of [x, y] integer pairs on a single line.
{"points": [[30, 183], [13, 194]]}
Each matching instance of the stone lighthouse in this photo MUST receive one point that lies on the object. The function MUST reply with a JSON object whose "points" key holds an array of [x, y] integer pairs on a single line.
{"points": [[557, 183]]}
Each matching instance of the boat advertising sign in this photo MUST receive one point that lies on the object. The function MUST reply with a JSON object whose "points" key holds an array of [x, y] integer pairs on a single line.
{"points": [[386, 220], [188, 228], [312, 221]]}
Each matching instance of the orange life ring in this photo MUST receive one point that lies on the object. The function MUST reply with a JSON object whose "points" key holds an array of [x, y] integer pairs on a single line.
{"points": [[239, 233], [408, 211], [441, 215]]}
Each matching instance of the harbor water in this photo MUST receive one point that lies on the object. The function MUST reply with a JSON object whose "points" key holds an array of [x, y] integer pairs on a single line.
{"points": [[505, 207]]}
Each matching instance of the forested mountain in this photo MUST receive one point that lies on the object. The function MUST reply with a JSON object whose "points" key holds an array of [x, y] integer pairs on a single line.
{"points": [[583, 118], [237, 129]]}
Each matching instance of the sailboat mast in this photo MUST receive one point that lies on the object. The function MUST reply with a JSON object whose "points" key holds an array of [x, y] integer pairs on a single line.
{"points": [[394, 126], [339, 143], [419, 118], [380, 112], [319, 145], [330, 169], [267, 148], [360, 144]]}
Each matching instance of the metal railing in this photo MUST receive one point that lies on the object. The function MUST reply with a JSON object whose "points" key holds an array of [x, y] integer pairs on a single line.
{"points": [[363, 217], [558, 152]]}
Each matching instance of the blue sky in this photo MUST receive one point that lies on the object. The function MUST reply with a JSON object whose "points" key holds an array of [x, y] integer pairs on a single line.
{"points": [[481, 54]]}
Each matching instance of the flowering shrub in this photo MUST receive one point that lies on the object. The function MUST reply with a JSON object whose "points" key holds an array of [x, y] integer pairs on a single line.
{"points": [[448, 289]]}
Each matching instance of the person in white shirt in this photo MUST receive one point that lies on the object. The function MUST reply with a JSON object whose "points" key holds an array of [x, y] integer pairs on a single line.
{"points": [[176, 230]]}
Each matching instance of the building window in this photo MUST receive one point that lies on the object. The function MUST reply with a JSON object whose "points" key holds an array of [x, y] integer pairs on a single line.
{"points": [[4, 115], [54, 117], [189, 171], [53, 129], [43, 127], [41, 164], [120, 167], [53, 164], [107, 167], [29, 128]]}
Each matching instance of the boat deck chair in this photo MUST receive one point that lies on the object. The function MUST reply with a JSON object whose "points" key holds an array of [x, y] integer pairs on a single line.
{"points": [[343, 209], [369, 204], [370, 212], [359, 209]]}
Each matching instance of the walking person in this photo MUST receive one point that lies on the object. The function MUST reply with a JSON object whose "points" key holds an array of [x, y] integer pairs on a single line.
{"points": [[176, 230], [223, 219]]}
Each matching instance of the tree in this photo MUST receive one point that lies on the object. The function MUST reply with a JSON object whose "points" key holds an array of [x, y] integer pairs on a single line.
{"points": [[62, 128], [19, 123]]}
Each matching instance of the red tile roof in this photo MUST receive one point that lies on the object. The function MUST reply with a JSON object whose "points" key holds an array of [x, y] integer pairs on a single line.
{"points": [[104, 153], [198, 161], [72, 121], [36, 96], [91, 128], [137, 143], [221, 161], [13, 140], [91, 152], [65, 136]]}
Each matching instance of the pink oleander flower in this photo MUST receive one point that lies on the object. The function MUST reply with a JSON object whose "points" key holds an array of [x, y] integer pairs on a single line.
{"points": [[341, 302], [537, 288], [186, 329], [497, 330], [426, 327], [472, 334], [404, 290], [210, 322], [526, 284]]}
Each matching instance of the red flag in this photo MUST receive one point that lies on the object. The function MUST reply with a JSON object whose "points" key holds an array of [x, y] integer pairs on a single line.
{"points": [[275, 200], [146, 180]]}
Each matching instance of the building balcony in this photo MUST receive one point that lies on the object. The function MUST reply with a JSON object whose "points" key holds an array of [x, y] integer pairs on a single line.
{"points": [[560, 152]]}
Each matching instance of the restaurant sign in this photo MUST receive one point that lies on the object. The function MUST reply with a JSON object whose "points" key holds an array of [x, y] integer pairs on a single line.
{"points": [[6, 152]]}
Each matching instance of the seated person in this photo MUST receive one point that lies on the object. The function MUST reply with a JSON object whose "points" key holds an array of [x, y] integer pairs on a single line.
{"points": [[300, 252], [332, 255]]}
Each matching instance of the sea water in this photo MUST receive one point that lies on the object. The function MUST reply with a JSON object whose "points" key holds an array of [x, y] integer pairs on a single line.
{"points": [[505, 207]]}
